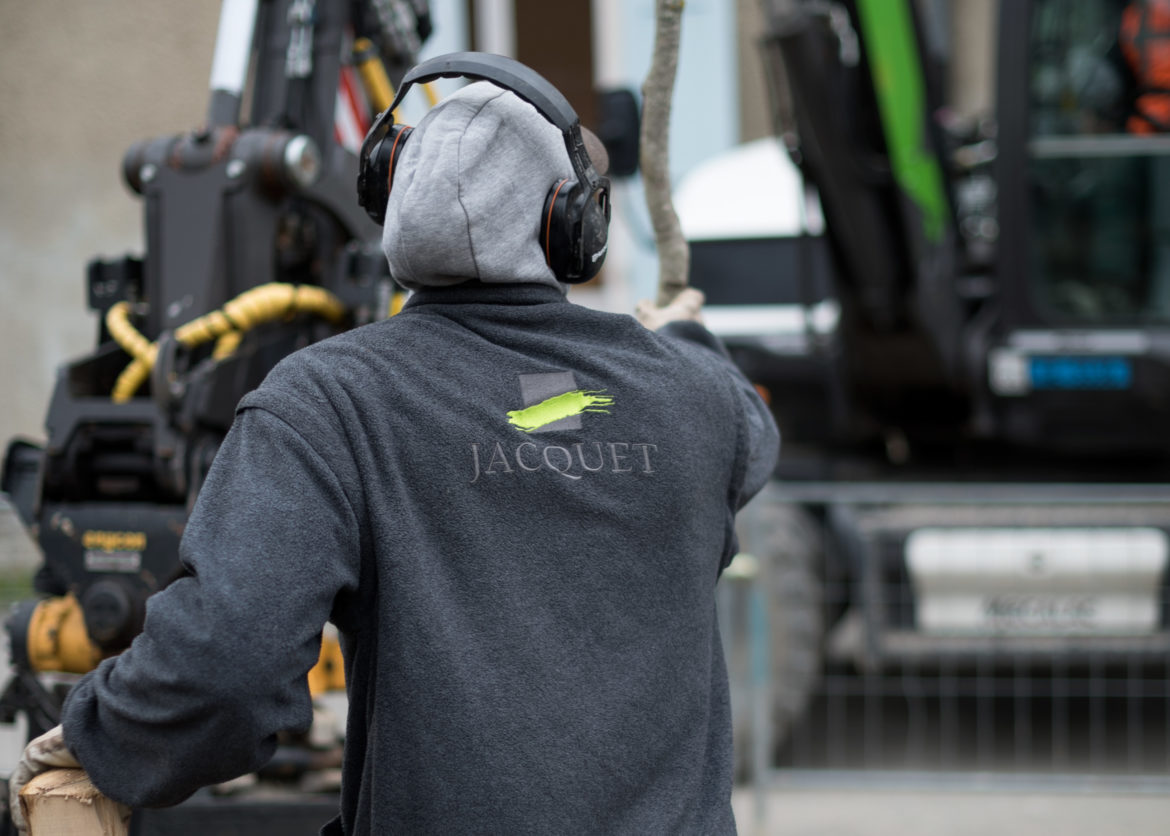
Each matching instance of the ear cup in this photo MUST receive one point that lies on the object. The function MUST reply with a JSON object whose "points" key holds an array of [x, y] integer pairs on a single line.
{"points": [[377, 172], [574, 231], [397, 139], [594, 234], [554, 234]]}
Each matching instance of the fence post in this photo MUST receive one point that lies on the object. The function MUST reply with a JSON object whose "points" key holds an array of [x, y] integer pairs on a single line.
{"points": [[64, 802]]}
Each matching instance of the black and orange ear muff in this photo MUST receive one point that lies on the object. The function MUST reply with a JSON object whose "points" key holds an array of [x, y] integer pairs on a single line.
{"points": [[574, 224], [376, 171], [574, 231]]}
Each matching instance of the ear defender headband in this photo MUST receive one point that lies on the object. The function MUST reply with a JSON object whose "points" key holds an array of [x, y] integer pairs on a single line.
{"points": [[574, 223]]}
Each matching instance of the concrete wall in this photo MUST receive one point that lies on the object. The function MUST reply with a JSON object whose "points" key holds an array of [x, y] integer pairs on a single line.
{"points": [[79, 82]]}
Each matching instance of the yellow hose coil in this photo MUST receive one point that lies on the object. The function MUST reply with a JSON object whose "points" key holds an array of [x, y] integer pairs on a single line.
{"points": [[226, 345], [130, 380], [127, 336], [251, 308], [137, 346]]}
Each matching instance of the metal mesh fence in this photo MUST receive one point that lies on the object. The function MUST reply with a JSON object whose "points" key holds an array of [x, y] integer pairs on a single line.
{"points": [[1036, 643], [1094, 719]]}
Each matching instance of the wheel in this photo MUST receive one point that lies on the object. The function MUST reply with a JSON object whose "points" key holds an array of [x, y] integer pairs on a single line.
{"points": [[787, 544]]}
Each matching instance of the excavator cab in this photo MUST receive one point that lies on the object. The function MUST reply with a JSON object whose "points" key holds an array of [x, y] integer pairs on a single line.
{"points": [[1079, 361], [965, 334], [997, 276], [1092, 168]]}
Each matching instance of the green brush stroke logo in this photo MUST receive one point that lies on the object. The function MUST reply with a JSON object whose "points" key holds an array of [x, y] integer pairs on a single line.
{"points": [[565, 405]]}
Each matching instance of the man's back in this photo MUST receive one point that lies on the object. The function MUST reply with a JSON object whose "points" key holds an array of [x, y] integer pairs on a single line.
{"points": [[513, 508], [549, 494]]}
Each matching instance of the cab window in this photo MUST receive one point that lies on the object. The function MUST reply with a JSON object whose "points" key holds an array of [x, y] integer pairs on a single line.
{"points": [[1097, 152]]}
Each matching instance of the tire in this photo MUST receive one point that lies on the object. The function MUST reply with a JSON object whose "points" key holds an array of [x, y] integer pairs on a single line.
{"points": [[787, 543]]}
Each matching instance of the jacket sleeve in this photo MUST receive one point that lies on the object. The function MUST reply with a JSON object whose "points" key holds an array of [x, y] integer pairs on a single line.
{"points": [[220, 667], [761, 435]]}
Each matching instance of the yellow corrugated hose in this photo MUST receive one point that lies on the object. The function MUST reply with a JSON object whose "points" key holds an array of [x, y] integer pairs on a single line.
{"points": [[432, 93], [227, 325], [373, 73], [377, 83]]}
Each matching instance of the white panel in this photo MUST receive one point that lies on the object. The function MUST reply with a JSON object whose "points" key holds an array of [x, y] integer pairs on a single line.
{"points": [[1081, 342], [233, 45], [495, 27], [1021, 614], [762, 320], [752, 191], [1058, 581], [1007, 372], [607, 44]]}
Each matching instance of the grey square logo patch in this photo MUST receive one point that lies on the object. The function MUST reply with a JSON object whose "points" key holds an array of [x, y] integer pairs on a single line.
{"points": [[535, 388]]}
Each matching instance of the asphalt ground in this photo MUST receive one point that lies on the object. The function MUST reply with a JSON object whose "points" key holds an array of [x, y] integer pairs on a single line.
{"points": [[856, 802], [870, 804]]}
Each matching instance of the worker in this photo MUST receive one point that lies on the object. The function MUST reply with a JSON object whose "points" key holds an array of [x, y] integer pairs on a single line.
{"points": [[513, 508]]}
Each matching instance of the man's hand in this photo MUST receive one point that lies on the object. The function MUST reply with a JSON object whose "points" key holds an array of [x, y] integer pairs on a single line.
{"points": [[687, 306], [46, 752]]}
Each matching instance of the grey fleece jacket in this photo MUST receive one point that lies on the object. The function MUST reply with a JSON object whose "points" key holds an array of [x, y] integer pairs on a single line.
{"points": [[513, 508], [527, 609]]}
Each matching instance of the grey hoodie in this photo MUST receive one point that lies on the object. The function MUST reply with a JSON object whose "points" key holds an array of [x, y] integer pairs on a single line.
{"points": [[471, 209], [515, 510]]}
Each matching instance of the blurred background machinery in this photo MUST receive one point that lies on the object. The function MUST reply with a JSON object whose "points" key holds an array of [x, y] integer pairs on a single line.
{"points": [[948, 271], [945, 268], [254, 247]]}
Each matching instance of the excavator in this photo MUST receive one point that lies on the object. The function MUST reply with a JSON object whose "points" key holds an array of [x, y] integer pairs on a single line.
{"points": [[962, 322], [255, 246]]}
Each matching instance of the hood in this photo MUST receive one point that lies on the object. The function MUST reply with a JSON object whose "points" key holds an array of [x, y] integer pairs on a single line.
{"points": [[469, 190]]}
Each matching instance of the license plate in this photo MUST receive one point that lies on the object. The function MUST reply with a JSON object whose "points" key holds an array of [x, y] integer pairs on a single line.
{"points": [[1013, 373], [1054, 581], [1080, 372]]}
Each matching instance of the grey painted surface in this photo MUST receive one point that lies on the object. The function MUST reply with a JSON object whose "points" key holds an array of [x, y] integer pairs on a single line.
{"points": [[853, 810]]}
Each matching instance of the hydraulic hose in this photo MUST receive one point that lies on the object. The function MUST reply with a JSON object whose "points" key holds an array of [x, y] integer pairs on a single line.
{"points": [[377, 83], [228, 324], [373, 73]]}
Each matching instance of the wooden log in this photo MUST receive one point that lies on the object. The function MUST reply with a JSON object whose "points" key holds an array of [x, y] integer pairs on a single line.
{"points": [[64, 802]]}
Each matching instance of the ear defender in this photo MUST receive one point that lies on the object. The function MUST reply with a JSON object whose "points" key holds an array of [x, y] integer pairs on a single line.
{"points": [[574, 230], [574, 226], [377, 171]]}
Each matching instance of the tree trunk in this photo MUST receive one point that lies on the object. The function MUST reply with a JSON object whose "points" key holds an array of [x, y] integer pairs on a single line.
{"points": [[674, 256]]}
